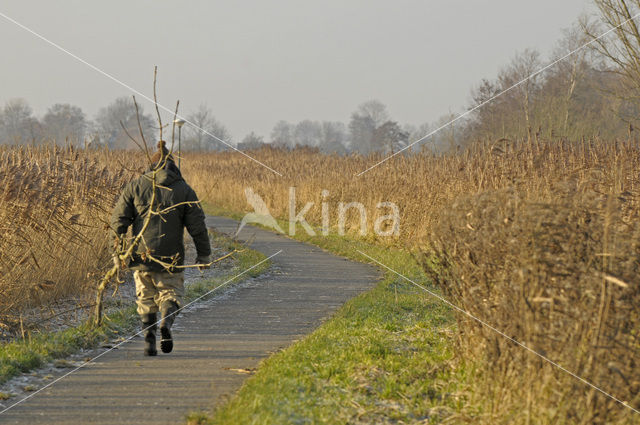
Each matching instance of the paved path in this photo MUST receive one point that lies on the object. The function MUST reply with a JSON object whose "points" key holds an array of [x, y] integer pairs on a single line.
{"points": [[234, 331]]}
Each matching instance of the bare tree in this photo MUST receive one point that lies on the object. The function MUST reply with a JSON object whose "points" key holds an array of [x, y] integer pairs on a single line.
{"points": [[282, 135], [364, 122], [334, 136], [522, 66], [375, 110], [450, 137], [251, 141], [579, 96], [64, 122], [308, 133], [571, 70], [198, 137], [623, 50], [417, 133], [361, 129], [120, 117], [493, 119], [389, 137], [18, 123], [328, 136]]}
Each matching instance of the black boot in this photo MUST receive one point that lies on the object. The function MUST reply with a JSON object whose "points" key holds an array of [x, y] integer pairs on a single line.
{"points": [[169, 311], [149, 326]]}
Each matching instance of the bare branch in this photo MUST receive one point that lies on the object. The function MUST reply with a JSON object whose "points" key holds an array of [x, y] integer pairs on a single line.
{"points": [[166, 210], [190, 266], [142, 148], [155, 99], [144, 141], [173, 126]]}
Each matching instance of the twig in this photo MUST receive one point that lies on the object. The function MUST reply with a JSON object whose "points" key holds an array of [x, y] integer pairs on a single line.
{"points": [[155, 98], [173, 127], [133, 138], [189, 266], [144, 141], [168, 209], [121, 257]]}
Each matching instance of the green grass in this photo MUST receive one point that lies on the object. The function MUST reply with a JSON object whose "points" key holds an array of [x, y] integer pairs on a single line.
{"points": [[38, 349], [384, 357]]}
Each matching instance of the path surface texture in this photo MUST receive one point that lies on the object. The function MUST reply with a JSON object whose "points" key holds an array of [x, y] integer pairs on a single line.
{"points": [[213, 342]]}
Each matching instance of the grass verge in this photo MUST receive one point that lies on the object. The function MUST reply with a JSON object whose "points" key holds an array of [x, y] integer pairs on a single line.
{"points": [[384, 357], [39, 349]]}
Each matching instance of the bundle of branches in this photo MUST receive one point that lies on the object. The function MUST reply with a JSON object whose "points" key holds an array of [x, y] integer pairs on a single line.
{"points": [[559, 275], [134, 244]]}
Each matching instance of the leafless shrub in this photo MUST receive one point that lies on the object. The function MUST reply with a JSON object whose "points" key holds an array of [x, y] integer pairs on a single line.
{"points": [[558, 273]]}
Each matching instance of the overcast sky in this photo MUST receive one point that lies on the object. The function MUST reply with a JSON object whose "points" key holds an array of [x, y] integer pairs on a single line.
{"points": [[255, 63]]}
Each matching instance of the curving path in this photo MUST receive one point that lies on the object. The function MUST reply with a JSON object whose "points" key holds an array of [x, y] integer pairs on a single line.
{"points": [[214, 341]]}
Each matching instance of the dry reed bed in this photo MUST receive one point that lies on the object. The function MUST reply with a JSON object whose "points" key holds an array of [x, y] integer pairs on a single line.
{"points": [[54, 208], [540, 240], [422, 185], [559, 275], [553, 263]]}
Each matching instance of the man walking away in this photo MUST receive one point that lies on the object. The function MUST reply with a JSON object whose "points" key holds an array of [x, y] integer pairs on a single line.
{"points": [[160, 287]]}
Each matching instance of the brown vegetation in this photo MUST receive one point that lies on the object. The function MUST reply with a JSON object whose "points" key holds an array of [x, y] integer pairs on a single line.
{"points": [[423, 185], [559, 274], [537, 239], [54, 209]]}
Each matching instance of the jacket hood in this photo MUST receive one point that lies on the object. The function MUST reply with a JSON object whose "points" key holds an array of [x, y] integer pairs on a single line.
{"points": [[166, 176]]}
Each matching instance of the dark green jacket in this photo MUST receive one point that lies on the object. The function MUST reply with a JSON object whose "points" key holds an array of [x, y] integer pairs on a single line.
{"points": [[164, 236]]}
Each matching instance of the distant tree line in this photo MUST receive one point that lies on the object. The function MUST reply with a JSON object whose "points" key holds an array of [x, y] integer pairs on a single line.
{"points": [[369, 130], [594, 91], [65, 123], [583, 95], [61, 121]]}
